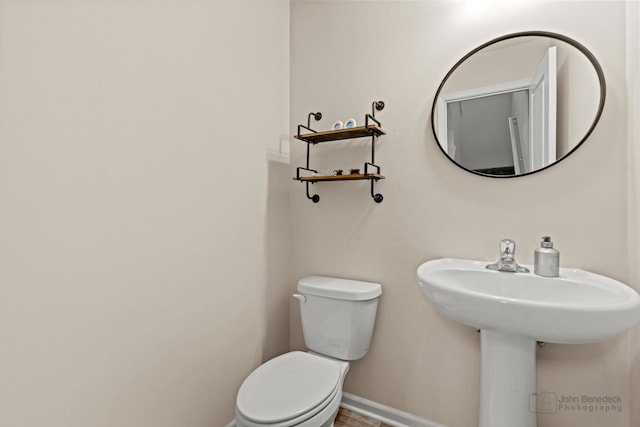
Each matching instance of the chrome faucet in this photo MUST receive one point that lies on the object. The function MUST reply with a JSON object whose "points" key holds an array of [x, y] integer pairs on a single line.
{"points": [[507, 260]]}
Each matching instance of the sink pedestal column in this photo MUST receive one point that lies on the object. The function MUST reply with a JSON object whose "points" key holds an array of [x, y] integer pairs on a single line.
{"points": [[507, 380]]}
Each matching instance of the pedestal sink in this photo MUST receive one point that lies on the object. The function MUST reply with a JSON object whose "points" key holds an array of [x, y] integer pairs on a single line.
{"points": [[513, 311]]}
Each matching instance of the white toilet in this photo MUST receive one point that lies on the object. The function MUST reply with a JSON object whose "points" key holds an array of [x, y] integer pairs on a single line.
{"points": [[305, 389]]}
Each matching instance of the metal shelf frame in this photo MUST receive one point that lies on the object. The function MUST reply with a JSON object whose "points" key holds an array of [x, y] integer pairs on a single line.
{"points": [[372, 128]]}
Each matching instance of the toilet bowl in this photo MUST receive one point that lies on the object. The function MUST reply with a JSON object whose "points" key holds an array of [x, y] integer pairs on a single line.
{"points": [[295, 389], [304, 389]]}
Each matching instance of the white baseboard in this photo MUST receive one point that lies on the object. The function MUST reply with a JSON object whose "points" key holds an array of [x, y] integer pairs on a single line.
{"points": [[386, 414], [379, 412]]}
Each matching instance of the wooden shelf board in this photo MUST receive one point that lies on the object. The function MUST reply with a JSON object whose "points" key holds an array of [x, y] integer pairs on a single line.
{"points": [[336, 135], [350, 177]]}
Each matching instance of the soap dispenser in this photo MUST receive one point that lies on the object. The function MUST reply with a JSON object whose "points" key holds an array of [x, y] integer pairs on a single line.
{"points": [[546, 260]]}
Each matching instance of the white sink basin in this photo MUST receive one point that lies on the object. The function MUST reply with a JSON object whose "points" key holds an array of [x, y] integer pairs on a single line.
{"points": [[577, 307], [513, 311]]}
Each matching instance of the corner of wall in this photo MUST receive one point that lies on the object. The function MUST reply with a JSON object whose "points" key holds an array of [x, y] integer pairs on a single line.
{"points": [[633, 220]]}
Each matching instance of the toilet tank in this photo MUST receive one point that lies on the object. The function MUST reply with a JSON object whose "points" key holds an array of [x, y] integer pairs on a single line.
{"points": [[338, 315]]}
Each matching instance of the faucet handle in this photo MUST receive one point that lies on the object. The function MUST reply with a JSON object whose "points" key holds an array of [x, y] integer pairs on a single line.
{"points": [[507, 248]]}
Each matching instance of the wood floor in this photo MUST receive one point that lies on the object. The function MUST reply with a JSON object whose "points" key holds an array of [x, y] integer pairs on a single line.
{"points": [[348, 418]]}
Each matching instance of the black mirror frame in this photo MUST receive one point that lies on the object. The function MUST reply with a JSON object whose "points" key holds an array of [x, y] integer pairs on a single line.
{"points": [[586, 52]]}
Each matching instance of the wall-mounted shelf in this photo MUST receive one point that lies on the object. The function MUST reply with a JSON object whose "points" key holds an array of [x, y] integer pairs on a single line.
{"points": [[372, 130], [349, 177], [337, 135]]}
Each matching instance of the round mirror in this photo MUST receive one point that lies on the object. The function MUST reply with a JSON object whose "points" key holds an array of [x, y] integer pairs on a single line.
{"points": [[518, 104]]}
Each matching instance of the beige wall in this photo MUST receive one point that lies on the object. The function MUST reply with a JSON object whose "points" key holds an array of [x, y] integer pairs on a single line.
{"points": [[142, 229], [144, 250], [347, 54]]}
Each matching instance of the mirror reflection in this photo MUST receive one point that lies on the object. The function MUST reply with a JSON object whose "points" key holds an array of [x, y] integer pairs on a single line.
{"points": [[518, 104]]}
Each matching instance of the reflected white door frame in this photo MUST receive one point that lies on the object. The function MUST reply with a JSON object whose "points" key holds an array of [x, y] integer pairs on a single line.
{"points": [[464, 95], [542, 112]]}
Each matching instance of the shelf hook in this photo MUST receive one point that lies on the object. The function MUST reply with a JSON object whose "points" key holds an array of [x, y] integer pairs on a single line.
{"points": [[377, 105], [376, 197], [315, 198], [316, 116]]}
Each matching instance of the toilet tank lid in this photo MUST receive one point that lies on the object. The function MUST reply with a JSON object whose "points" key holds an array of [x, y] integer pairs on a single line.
{"points": [[333, 287]]}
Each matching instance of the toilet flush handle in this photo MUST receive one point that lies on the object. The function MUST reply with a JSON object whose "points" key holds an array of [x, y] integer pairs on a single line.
{"points": [[302, 298]]}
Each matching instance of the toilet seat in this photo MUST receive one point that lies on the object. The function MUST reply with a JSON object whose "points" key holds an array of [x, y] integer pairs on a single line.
{"points": [[289, 389]]}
